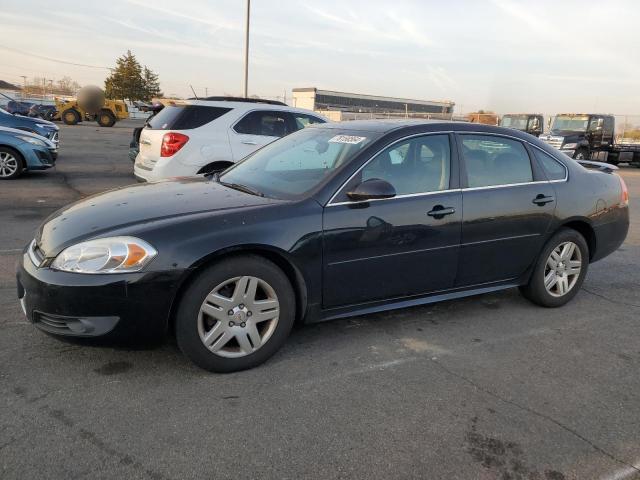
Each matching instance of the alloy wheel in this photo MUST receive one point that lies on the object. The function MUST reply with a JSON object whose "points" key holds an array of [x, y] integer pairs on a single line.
{"points": [[238, 316], [8, 164], [562, 269]]}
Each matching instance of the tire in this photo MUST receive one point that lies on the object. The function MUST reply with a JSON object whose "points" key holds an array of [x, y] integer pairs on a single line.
{"points": [[228, 322], [581, 154], [552, 297], [106, 119], [11, 164], [70, 116]]}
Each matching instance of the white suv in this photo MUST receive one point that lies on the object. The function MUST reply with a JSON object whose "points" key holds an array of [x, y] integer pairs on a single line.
{"points": [[201, 136]]}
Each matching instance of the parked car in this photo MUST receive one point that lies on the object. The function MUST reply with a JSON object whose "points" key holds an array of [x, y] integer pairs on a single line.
{"points": [[334, 220], [21, 151], [134, 144], [202, 136], [44, 128], [30, 109]]}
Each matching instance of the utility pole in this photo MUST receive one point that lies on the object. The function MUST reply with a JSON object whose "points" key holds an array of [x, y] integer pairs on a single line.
{"points": [[246, 51]]}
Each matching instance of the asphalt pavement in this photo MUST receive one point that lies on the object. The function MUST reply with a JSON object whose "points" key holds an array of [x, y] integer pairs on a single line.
{"points": [[489, 387]]}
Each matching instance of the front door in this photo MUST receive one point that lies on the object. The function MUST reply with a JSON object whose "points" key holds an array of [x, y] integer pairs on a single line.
{"points": [[401, 246], [508, 205]]}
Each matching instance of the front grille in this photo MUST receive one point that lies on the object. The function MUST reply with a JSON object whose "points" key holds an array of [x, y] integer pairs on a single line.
{"points": [[555, 142], [53, 323], [44, 157]]}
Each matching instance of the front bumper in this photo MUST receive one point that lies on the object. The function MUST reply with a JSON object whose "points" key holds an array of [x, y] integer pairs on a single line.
{"points": [[130, 305], [39, 158]]}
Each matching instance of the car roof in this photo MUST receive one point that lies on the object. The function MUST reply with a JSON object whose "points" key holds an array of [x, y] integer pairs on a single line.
{"points": [[417, 125], [246, 106]]}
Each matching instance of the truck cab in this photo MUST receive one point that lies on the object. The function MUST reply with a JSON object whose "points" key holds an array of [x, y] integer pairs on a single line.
{"points": [[525, 122], [579, 135]]}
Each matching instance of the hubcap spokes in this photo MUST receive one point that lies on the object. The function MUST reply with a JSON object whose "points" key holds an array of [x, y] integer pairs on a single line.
{"points": [[238, 316], [562, 269], [8, 164]]}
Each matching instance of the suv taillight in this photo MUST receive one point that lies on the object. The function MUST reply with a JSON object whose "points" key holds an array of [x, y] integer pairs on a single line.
{"points": [[624, 197], [171, 143]]}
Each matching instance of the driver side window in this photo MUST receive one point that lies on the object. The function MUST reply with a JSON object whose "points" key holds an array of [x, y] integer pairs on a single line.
{"points": [[417, 165]]}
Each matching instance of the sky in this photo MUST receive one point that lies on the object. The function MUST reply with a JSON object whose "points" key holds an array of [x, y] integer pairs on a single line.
{"points": [[500, 55]]}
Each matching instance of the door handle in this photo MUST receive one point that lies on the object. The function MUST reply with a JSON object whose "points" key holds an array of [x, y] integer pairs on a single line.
{"points": [[543, 199], [439, 211], [247, 142]]}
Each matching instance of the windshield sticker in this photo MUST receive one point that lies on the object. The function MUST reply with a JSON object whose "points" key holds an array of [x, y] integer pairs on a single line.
{"points": [[347, 139]]}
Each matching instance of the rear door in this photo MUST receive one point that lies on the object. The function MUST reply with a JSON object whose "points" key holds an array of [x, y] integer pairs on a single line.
{"points": [[508, 205], [257, 129]]}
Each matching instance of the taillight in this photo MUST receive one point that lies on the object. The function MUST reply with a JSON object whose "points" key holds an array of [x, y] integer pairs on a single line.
{"points": [[171, 143], [624, 198]]}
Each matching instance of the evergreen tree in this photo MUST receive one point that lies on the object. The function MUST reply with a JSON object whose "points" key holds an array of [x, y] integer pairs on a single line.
{"points": [[151, 84], [126, 80]]}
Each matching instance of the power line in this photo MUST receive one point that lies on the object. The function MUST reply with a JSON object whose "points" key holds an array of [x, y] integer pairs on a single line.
{"points": [[50, 59]]}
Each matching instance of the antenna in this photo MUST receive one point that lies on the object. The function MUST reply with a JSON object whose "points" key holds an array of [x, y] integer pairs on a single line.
{"points": [[194, 92]]}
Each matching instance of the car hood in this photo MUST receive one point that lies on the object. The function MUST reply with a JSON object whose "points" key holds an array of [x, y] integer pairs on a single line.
{"points": [[20, 120], [98, 215]]}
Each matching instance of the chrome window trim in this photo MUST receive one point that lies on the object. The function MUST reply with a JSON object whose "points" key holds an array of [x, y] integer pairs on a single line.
{"points": [[466, 189], [407, 195], [423, 134]]}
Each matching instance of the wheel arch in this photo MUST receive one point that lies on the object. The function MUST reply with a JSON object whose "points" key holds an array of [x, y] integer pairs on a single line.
{"points": [[275, 255], [584, 228]]}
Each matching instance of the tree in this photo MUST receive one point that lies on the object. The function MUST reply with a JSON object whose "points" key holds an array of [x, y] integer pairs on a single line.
{"points": [[126, 79], [132, 81], [151, 84], [66, 86]]}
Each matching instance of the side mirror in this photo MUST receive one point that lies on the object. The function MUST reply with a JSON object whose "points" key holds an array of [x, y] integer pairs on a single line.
{"points": [[372, 189]]}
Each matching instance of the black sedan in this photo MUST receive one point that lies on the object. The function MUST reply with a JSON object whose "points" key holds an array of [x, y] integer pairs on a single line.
{"points": [[335, 220]]}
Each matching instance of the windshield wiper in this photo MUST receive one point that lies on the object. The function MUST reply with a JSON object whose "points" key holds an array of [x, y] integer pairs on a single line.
{"points": [[242, 188]]}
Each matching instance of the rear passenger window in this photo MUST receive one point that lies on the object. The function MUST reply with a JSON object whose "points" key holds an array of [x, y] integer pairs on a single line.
{"points": [[552, 167], [492, 160], [269, 124], [185, 117]]}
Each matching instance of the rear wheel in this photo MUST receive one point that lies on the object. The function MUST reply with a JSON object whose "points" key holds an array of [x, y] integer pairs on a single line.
{"points": [[559, 271], [235, 314], [70, 117], [106, 119], [11, 164], [581, 154]]}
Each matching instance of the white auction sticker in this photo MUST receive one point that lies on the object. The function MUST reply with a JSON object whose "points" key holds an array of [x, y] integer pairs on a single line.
{"points": [[347, 139]]}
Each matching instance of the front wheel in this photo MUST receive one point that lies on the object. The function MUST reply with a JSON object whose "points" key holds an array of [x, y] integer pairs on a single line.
{"points": [[559, 271], [236, 314], [106, 119], [11, 164]]}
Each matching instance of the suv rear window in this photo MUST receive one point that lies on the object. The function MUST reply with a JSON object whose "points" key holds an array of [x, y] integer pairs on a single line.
{"points": [[185, 117]]}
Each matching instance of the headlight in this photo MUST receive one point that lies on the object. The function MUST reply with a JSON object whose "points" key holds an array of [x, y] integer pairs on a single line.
{"points": [[105, 255], [570, 146], [32, 140], [47, 127]]}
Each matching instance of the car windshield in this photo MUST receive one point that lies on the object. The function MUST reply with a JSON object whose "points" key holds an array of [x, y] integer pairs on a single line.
{"points": [[294, 165], [572, 123], [518, 122]]}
